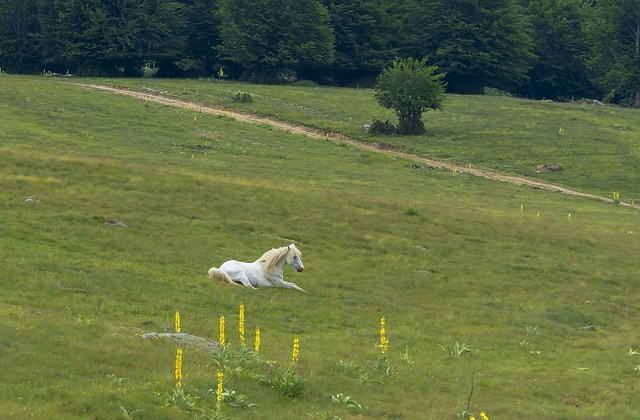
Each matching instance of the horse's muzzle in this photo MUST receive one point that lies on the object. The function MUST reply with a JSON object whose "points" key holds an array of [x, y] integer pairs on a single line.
{"points": [[300, 270]]}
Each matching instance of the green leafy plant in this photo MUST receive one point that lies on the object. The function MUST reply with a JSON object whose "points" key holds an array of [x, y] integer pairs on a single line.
{"points": [[223, 359], [284, 381], [216, 413], [405, 358], [248, 357], [347, 401], [183, 401], [382, 367], [325, 415], [532, 329], [234, 399], [128, 414], [456, 350]]}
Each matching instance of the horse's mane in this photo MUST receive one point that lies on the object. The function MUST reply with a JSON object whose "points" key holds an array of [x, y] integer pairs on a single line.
{"points": [[270, 258]]}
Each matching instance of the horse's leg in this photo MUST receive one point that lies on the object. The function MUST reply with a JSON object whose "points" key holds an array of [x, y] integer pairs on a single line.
{"points": [[243, 279], [295, 286], [281, 283]]}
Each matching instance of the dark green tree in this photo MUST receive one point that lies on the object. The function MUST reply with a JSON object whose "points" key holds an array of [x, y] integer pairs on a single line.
{"points": [[201, 30], [478, 43], [410, 87], [561, 48], [614, 31], [118, 36], [364, 32], [18, 35], [272, 37]]}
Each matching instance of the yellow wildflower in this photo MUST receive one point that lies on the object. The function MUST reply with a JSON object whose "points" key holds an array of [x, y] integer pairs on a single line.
{"points": [[179, 368], [241, 324], [384, 343], [257, 340], [219, 391], [296, 349], [222, 330], [177, 321]]}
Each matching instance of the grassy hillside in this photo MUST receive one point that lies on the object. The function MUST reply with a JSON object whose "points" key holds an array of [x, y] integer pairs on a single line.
{"points": [[544, 302], [597, 146]]}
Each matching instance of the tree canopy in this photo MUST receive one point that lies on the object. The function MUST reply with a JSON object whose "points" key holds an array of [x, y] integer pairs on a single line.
{"points": [[537, 48], [272, 37]]}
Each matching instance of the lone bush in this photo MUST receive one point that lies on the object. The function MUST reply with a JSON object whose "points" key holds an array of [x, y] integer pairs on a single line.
{"points": [[243, 97], [379, 127], [410, 87]]}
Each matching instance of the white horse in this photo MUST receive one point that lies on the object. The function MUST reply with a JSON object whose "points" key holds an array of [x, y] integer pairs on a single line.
{"points": [[265, 271]]}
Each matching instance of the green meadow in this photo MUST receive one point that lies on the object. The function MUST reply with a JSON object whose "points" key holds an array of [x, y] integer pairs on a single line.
{"points": [[498, 298]]}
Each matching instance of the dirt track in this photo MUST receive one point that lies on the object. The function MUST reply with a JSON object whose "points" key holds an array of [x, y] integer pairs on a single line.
{"points": [[210, 109]]}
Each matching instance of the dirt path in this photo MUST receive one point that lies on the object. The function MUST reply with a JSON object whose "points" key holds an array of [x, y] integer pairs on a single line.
{"points": [[306, 131]]}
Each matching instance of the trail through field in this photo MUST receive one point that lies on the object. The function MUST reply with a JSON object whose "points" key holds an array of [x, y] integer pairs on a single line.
{"points": [[318, 134]]}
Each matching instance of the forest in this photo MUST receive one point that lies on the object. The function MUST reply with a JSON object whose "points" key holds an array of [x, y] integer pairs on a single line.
{"points": [[542, 49]]}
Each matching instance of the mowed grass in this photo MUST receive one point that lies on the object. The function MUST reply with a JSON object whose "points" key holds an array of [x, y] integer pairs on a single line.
{"points": [[545, 302], [595, 145]]}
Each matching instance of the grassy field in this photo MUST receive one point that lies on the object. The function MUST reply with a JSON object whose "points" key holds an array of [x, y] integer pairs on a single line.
{"points": [[597, 146], [530, 293]]}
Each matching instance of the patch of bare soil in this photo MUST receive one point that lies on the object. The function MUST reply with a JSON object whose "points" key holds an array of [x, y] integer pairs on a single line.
{"points": [[387, 148]]}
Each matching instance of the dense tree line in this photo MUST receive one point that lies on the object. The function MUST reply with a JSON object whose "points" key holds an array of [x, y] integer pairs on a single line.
{"points": [[535, 48]]}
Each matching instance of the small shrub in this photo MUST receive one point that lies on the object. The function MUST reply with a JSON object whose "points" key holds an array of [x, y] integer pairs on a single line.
{"points": [[489, 91], [149, 70], [411, 211], [242, 97], [378, 127]]}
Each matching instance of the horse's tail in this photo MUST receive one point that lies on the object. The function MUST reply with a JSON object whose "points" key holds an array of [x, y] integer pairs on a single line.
{"points": [[219, 275]]}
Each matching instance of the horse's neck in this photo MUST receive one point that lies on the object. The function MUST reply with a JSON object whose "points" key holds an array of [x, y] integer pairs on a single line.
{"points": [[276, 269]]}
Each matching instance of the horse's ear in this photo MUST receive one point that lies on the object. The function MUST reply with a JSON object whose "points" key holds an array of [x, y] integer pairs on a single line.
{"points": [[292, 246]]}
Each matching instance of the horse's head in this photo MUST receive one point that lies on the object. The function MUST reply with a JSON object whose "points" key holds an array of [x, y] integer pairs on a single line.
{"points": [[294, 258]]}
